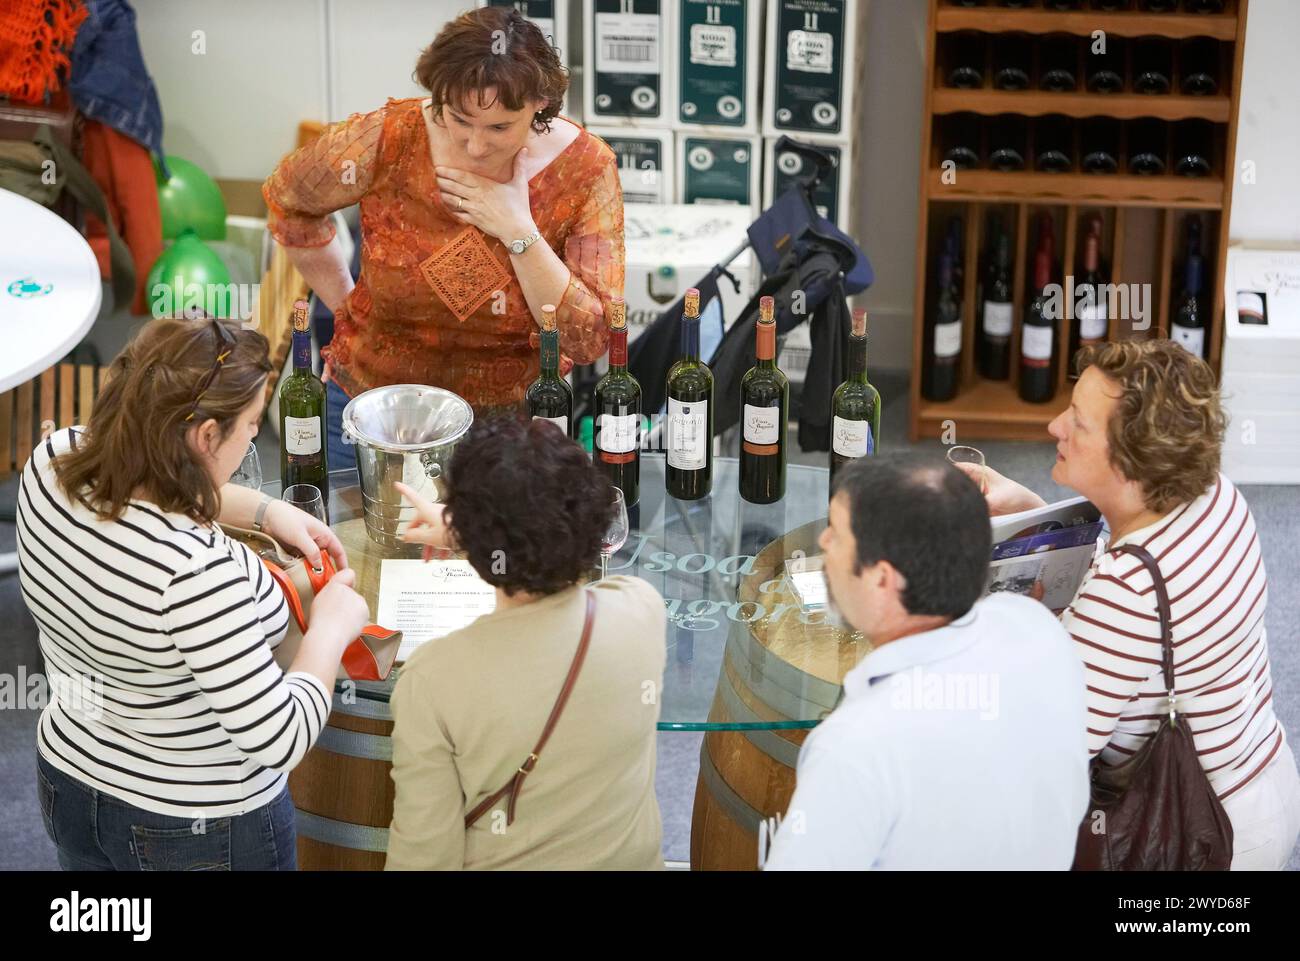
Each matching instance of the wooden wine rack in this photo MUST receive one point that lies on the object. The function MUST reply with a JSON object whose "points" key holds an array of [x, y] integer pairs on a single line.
{"points": [[1142, 216]]}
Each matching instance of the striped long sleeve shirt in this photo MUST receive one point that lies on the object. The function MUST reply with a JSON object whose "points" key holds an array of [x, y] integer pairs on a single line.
{"points": [[158, 636], [1209, 555]]}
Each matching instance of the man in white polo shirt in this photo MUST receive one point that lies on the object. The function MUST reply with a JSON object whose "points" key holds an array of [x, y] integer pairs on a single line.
{"points": [[959, 742]]}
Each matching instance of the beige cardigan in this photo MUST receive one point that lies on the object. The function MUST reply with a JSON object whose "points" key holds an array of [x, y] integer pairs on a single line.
{"points": [[469, 707]]}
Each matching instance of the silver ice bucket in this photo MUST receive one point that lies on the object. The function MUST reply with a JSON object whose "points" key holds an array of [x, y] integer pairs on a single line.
{"points": [[407, 433]]}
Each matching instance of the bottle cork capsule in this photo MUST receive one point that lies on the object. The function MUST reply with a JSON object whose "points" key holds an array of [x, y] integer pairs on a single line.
{"points": [[859, 322], [692, 305], [766, 310], [617, 313], [548, 317], [301, 321]]}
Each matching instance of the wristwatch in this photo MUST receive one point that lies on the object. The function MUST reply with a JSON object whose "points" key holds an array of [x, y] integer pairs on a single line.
{"points": [[519, 246], [261, 513]]}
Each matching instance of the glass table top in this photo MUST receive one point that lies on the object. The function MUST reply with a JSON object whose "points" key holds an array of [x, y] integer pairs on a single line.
{"points": [[742, 654]]}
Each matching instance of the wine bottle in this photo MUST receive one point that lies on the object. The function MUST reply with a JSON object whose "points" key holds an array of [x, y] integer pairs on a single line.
{"points": [[943, 339], [960, 140], [1153, 65], [689, 470], [1200, 66], [1058, 55], [952, 246], [1203, 6], [1011, 59], [1008, 136], [1146, 147], [1193, 146], [1099, 145], [1047, 242], [764, 409], [550, 397], [1158, 6], [1053, 144], [996, 318], [1188, 327], [1037, 383], [855, 405], [1090, 324], [617, 408], [966, 50], [1105, 66], [304, 455]]}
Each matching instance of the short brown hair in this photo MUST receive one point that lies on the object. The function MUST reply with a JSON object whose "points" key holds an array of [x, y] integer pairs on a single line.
{"points": [[526, 505], [1167, 429], [136, 435], [493, 47]]}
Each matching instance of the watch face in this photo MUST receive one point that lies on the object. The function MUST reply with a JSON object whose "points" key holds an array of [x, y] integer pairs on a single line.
{"points": [[516, 246]]}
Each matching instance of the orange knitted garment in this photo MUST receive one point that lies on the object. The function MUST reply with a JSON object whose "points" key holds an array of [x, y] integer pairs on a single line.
{"points": [[35, 39]]}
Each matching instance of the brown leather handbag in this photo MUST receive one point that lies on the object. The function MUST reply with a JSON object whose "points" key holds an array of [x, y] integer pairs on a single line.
{"points": [[1155, 811], [516, 782]]}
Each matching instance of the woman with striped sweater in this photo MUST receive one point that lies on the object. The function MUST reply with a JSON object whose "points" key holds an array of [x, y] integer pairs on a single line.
{"points": [[1141, 440], [170, 727]]}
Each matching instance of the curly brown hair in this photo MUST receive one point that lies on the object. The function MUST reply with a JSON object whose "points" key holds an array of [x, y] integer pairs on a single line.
{"points": [[136, 435], [526, 505], [1167, 429], [493, 47]]}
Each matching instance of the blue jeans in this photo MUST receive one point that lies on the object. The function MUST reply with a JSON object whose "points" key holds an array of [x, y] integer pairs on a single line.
{"points": [[94, 831], [341, 455]]}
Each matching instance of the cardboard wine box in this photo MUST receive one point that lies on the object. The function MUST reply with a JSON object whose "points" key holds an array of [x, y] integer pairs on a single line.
{"points": [[672, 246], [552, 18], [832, 197], [718, 64], [645, 162], [627, 58], [811, 68], [719, 169]]}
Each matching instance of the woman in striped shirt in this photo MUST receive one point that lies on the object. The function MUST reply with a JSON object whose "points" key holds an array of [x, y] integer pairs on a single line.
{"points": [[170, 727], [1141, 440]]}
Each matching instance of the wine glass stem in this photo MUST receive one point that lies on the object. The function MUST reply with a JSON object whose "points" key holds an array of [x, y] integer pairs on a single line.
{"points": [[604, 565]]}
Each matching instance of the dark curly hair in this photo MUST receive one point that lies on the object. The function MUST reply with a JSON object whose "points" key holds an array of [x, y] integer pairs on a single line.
{"points": [[493, 47], [526, 505]]}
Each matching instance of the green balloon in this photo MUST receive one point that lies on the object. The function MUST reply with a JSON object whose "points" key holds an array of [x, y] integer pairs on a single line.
{"points": [[190, 198], [189, 277]]}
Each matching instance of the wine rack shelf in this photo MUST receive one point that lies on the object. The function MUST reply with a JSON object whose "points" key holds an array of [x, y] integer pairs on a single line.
{"points": [[1082, 23], [1123, 106], [1120, 190], [1143, 217]]}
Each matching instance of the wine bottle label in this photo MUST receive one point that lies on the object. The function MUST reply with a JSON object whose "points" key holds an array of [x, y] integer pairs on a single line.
{"points": [[561, 422], [1092, 321], [947, 339], [1192, 338], [997, 319], [302, 435], [688, 430], [616, 433], [762, 430], [1036, 342], [852, 438]]}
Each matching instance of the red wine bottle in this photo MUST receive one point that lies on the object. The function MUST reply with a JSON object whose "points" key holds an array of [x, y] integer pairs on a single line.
{"points": [[1090, 324], [764, 409], [943, 338], [996, 313], [689, 471], [616, 443], [1037, 336], [304, 444], [1188, 326], [550, 397]]}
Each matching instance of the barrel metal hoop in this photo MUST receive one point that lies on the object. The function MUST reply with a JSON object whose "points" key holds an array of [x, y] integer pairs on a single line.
{"points": [[769, 742], [341, 834], [781, 679], [732, 803], [370, 747], [794, 704]]}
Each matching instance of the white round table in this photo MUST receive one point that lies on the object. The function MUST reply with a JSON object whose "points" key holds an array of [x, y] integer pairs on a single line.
{"points": [[49, 288], [50, 292]]}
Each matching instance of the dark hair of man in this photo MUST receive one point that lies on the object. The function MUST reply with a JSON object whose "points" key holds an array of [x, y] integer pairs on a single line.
{"points": [[928, 520]]}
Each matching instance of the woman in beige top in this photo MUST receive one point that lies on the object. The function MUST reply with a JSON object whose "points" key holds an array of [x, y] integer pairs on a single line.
{"points": [[528, 509]]}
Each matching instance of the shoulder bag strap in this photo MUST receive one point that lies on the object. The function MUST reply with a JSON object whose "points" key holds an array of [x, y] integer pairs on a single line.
{"points": [[513, 786], [1162, 608]]}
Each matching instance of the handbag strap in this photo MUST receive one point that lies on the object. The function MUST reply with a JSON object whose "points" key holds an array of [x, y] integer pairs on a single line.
{"points": [[1162, 609], [516, 782]]}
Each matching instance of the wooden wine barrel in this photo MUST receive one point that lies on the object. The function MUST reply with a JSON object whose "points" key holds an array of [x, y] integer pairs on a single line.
{"points": [[779, 667], [342, 789]]}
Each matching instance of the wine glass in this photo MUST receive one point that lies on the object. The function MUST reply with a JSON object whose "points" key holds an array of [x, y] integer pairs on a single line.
{"points": [[615, 535], [249, 472], [305, 497], [971, 455]]}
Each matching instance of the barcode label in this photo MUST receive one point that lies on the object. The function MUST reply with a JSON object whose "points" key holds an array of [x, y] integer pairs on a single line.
{"points": [[627, 43]]}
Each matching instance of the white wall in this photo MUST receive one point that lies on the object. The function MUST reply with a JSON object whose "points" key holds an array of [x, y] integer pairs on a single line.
{"points": [[235, 109]]}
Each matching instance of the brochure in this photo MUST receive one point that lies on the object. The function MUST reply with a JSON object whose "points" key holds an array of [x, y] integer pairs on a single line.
{"points": [[1054, 545]]}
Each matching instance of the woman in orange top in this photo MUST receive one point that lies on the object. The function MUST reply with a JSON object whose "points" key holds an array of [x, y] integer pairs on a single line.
{"points": [[477, 208]]}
